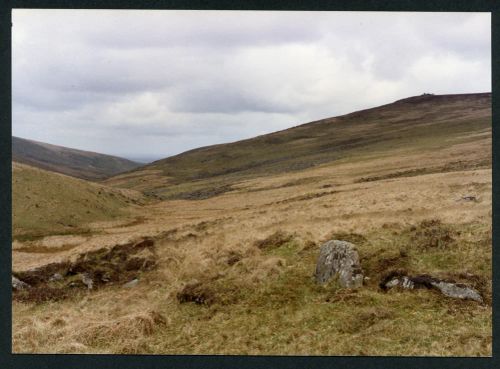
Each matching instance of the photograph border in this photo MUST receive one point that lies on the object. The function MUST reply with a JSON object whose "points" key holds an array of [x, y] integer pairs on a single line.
{"points": [[9, 360]]}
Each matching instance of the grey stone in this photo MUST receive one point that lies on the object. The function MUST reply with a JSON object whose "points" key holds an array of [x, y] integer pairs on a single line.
{"points": [[87, 280], [132, 283], [450, 289], [458, 291], [403, 282], [56, 277], [19, 285], [339, 259], [106, 277]]}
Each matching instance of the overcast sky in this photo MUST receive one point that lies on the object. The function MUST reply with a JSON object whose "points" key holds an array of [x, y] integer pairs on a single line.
{"points": [[149, 84]]}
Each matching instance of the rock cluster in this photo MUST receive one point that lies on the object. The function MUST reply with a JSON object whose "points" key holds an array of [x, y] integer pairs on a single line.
{"points": [[447, 288], [120, 264], [339, 260], [19, 285]]}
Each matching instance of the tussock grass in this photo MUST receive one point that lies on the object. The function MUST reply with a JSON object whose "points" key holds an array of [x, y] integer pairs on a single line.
{"points": [[249, 255], [268, 303], [275, 240]]}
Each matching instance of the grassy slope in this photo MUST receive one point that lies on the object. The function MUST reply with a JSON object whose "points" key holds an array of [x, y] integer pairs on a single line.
{"points": [[420, 123], [267, 302], [76, 163], [50, 203]]}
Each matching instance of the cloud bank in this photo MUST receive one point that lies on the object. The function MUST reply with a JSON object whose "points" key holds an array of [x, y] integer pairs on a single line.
{"points": [[149, 84]]}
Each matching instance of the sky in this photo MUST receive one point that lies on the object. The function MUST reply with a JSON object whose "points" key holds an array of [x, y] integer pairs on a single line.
{"points": [[150, 84]]}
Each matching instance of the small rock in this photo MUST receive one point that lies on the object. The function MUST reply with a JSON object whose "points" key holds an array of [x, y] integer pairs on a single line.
{"points": [[106, 277], [87, 281], [458, 291], [469, 198], [132, 283], [19, 285], [339, 258], [56, 277], [455, 290]]}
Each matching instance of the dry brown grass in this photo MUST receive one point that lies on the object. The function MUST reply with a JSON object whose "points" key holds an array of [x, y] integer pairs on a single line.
{"points": [[252, 254]]}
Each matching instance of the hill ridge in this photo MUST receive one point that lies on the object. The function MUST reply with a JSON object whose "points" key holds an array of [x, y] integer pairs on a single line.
{"points": [[429, 120], [78, 163], [412, 99]]}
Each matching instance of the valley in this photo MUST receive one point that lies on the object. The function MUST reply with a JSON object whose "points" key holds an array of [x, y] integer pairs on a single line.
{"points": [[236, 229]]}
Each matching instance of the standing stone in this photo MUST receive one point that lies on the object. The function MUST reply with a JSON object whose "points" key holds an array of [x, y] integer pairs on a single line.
{"points": [[339, 258]]}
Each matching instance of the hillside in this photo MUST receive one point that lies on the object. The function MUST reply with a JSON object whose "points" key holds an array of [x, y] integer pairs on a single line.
{"points": [[46, 203], [77, 163], [235, 251], [420, 122]]}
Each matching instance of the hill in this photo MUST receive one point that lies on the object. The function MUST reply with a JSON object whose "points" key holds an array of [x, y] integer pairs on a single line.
{"points": [[77, 163], [47, 203], [420, 122], [412, 191]]}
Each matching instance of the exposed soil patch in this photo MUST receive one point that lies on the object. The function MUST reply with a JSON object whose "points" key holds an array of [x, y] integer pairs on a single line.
{"points": [[450, 167], [44, 249], [35, 236], [306, 197], [354, 238], [203, 226], [40, 295], [274, 241], [169, 234], [188, 236], [431, 234], [233, 257], [94, 269], [297, 182], [197, 292], [136, 221], [213, 290], [378, 263], [201, 194], [404, 173]]}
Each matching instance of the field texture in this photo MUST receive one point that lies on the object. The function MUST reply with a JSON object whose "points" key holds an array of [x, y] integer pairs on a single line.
{"points": [[220, 260]]}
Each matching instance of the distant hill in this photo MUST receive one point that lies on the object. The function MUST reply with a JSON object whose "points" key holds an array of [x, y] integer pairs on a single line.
{"points": [[77, 163], [44, 202], [421, 122]]}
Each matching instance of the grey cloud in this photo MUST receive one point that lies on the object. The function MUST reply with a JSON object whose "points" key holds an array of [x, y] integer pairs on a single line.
{"points": [[217, 99], [207, 29], [174, 80]]}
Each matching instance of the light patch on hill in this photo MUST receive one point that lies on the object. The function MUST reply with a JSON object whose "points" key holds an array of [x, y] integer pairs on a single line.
{"points": [[46, 203]]}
